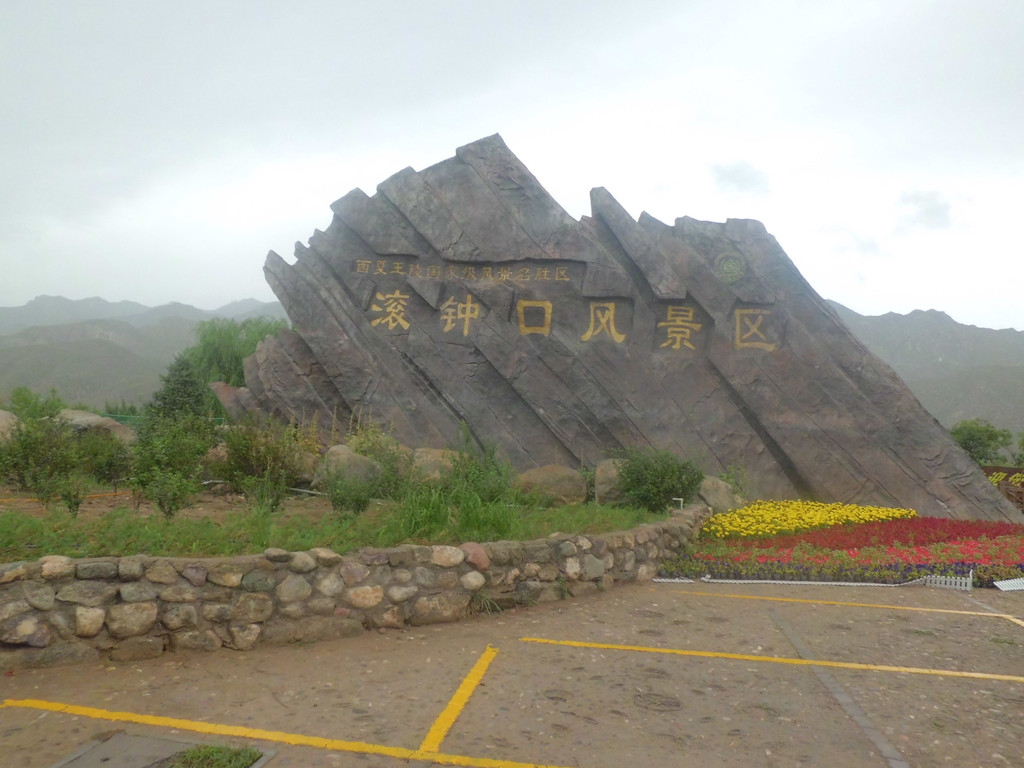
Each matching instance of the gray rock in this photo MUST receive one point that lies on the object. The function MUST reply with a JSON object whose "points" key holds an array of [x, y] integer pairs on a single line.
{"points": [[354, 573], [56, 567], [131, 619], [302, 562], [293, 588], [25, 630], [179, 617], [216, 612], [259, 581], [130, 568], [13, 571], [446, 556], [472, 581], [137, 592], [14, 608], [89, 621], [398, 593], [90, 593], [441, 608], [342, 461], [137, 649], [560, 485], [195, 574], [364, 597], [100, 570], [226, 575], [330, 584], [244, 636], [593, 568], [179, 594], [253, 607], [162, 572], [195, 640]]}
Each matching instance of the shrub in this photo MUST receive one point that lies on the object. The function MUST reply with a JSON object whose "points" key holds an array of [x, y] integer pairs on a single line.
{"points": [[28, 406], [371, 440], [349, 494], [39, 455], [651, 479], [168, 459]]}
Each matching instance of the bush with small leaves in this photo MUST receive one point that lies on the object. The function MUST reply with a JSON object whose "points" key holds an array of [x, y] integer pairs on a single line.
{"points": [[651, 479]]}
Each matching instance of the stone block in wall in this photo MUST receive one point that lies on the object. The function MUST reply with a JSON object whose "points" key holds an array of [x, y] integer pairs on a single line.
{"points": [[194, 574], [89, 621], [25, 629], [353, 573], [259, 581], [293, 589], [593, 568], [476, 555], [226, 575], [14, 608], [195, 640], [40, 596], [538, 551], [90, 593], [137, 592], [162, 572], [96, 570], [179, 617], [472, 581], [131, 619], [131, 568], [53, 655], [302, 562], [13, 571], [364, 597], [505, 552], [56, 567], [137, 649], [440, 608], [178, 593], [325, 557], [253, 607], [330, 584], [216, 612], [445, 556], [244, 636]]}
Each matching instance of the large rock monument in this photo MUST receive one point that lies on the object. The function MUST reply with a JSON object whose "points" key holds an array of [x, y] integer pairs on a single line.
{"points": [[464, 294]]}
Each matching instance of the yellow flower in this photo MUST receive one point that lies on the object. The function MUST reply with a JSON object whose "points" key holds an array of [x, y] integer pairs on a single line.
{"points": [[769, 518]]}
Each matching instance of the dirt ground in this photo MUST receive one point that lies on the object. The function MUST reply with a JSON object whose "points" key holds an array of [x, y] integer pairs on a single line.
{"points": [[661, 674]]}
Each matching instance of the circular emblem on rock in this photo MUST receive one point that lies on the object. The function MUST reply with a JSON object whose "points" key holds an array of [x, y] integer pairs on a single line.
{"points": [[730, 267]]}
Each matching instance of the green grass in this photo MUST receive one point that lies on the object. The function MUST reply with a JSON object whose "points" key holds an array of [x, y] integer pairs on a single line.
{"points": [[217, 757], [423, 518]]}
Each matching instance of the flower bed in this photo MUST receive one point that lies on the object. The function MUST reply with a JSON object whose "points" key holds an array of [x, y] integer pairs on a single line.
{"points": [[807, 541]]}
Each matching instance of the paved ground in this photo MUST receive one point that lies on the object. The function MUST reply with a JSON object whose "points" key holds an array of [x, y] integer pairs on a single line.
{"points": [[661, 674]]}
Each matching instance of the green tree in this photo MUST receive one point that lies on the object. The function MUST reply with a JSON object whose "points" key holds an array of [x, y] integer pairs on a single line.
{"points": [[1018, 455], [982, 441], [221, 348], [168, 458], [27, 405], [181, 394]]}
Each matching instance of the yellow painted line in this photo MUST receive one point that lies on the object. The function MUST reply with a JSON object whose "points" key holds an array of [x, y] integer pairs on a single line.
{"points": [[782, 660], [278, 737], [1006, 616], [445, 721]]}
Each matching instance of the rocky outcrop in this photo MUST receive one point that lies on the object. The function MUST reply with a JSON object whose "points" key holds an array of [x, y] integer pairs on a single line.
{"points": [[464, 294]]}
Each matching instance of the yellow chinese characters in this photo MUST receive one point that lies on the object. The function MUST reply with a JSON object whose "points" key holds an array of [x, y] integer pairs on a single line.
{"points": [[393, 305], [750, 330], [602, 320], [680, 327], [534, 317], [453, 312]]}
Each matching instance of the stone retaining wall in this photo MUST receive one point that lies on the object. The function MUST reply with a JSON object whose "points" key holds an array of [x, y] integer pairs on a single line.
{"points": [[57, 610]]}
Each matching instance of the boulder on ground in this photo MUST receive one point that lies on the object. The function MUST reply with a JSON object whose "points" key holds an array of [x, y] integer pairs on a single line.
{"points": [[607, 485], [340, 460], [719, 495], [563, 485], [85, 421]]}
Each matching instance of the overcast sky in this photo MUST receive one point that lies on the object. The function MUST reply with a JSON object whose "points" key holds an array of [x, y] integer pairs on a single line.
{"points": [[155, 151]]}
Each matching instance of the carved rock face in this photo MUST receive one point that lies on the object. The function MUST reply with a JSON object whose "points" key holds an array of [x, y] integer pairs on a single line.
{"points": [[465, 293]]}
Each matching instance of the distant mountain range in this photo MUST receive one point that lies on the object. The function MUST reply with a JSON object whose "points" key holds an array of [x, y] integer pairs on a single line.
{"points": [[94, 352], [957, 371]]}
